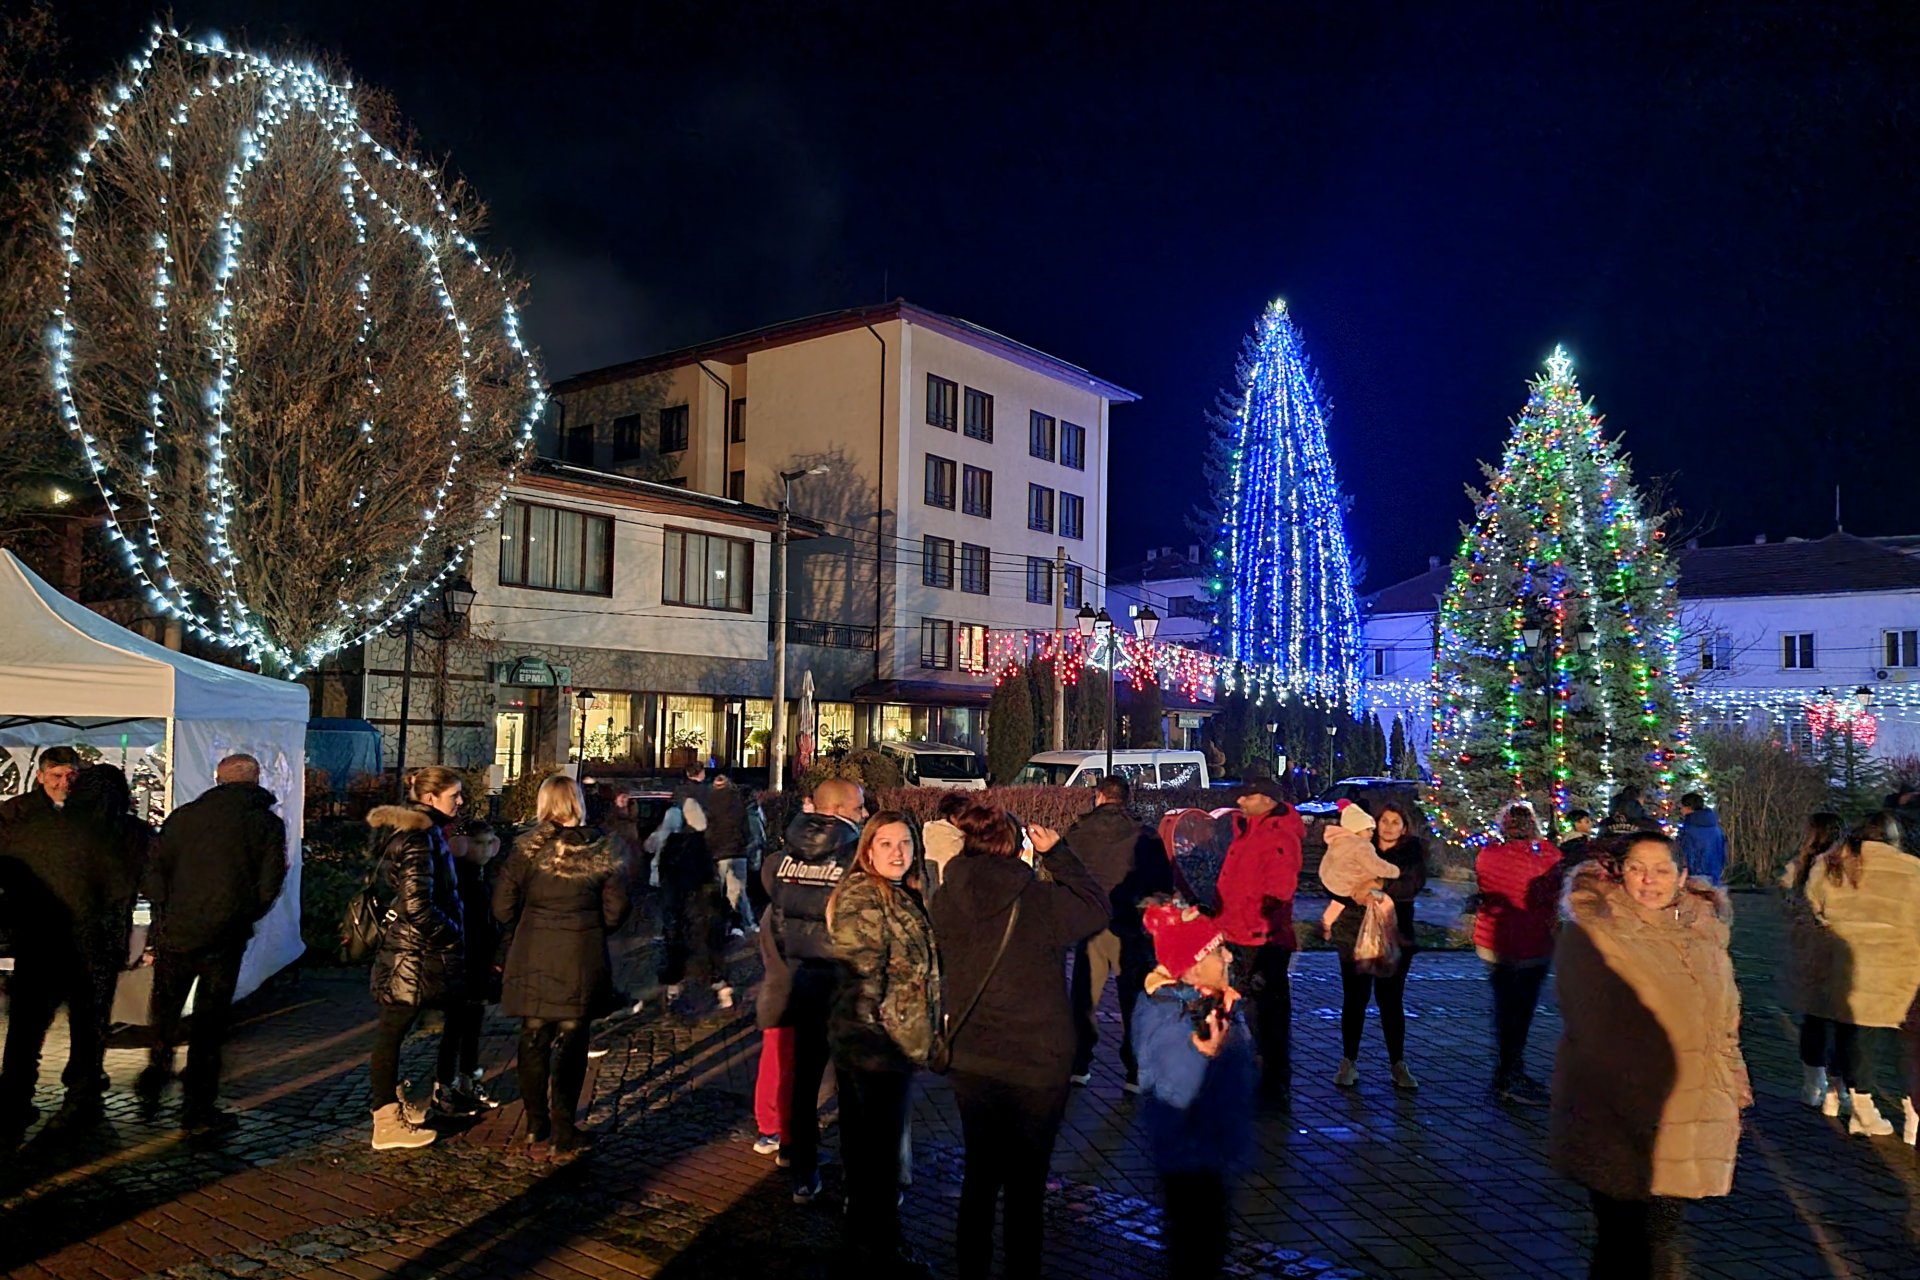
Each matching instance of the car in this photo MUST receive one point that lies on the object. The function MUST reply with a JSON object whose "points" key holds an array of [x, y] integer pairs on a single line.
{"points": [[1144, 769], [936, 764], [1369, 794]]}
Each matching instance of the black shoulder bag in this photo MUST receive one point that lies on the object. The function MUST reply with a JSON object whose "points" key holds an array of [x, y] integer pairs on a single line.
{"points": [[940, 1060]]}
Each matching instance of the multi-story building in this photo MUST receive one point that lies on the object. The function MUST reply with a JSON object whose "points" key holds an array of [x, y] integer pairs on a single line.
{"points": [[1770, 630], [621, 614], [964, 492], [1174, 583]]}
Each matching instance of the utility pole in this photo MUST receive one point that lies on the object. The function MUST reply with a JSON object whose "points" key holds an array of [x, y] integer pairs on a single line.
{"points": [[777, 736], [1059, 638]]}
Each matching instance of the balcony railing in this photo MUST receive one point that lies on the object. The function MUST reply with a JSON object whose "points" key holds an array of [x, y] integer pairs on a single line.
{"points": [[828, 635]]}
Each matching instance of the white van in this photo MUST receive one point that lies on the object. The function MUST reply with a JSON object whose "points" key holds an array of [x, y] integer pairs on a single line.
{"points": [[935, 764], [1141, 768]]}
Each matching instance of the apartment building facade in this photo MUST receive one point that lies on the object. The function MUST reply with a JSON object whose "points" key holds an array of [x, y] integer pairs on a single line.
{"points": [[613, 620], [964, 493]]}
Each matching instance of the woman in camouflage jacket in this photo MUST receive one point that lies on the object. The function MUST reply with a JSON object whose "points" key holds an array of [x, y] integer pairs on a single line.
{"points": [[886, 1021]]}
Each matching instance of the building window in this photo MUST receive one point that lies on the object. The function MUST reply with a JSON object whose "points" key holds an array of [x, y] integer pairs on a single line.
{"points": [[627, 445], [737, 426], [976, 498], [707, 571], [940, 481], [943, 403], [975, 569], [1382, 662], [1796, 651], [1073, 516], [1070, 586], [936, 644], [576, 444], [1073, 446], [1040, 435], [1040, 508], [1903, 648], [556, 550], [1716, 652], [1039, 580], [971, 648], [737, 485], [673, 429], [936, 562], [979, 415]]}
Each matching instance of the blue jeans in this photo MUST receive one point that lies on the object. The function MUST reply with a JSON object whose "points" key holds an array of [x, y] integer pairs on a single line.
{"points": [[733, 882]]}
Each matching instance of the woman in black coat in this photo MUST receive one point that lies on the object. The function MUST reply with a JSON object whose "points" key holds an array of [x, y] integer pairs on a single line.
{"points": [[562, 892], [1013, 1053], [1394, 839], [420, 963]]}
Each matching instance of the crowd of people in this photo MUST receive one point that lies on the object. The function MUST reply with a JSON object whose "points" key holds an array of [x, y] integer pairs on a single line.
{"points": [[978, 947]]}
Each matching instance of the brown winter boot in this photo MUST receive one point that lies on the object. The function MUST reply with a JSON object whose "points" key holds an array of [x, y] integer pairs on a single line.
{"points": [[394, 1131]]}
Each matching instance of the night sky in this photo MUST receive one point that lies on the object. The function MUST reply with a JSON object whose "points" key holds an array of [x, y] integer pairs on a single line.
{"points": [[1714, 207]]}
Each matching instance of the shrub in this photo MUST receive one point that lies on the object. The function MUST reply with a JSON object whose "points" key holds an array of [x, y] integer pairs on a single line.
{"points": [[1763, 794], [335, 861], [875, 770], [519, 800]]}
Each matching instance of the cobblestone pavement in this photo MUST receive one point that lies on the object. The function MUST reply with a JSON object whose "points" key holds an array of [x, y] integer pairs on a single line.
{"points": [[1368, 1183]]}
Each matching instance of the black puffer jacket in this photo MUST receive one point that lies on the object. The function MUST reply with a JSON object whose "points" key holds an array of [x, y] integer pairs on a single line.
{"points": [[420, 960], [221, 862], [726, 822], [1022, 1030], [793, 933], [563, 890]]}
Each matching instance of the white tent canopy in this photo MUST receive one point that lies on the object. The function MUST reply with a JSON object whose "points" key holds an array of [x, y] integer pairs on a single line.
{"points": [[68, 675]]}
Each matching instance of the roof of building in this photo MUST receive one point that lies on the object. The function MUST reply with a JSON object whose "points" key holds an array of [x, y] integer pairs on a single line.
{"points": [[737, 346], [1837, 564], [666, 499]]}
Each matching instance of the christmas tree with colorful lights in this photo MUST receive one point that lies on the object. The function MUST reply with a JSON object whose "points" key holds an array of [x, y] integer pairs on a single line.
{"points": [[1555, 680], [1283, 576]]}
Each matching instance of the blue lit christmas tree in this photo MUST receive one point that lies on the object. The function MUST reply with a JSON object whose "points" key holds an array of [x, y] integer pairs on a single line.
{"points": [[1283, 574]]}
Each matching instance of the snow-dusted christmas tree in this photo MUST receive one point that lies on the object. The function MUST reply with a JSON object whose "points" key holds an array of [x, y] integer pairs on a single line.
{"points": [[1555, 679], [1283, 575]]}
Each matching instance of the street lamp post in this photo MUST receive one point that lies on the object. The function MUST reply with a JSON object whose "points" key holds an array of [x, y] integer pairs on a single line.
{"points": [[583, 698], [1100, 625], [777, 738], [451, 608]]}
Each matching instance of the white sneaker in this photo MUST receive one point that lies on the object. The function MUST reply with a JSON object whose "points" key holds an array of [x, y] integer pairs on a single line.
{"points": [[597, 1051], [1082, 1080], [392, 1131], [724, 994], [1910, 1132], [767, 1144], [1866, 1121], [1348, 1075], [1830, 1100], [1813, 1085]]}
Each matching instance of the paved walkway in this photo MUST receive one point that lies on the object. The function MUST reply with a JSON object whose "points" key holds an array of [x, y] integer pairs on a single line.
{"points": [[1363, 1184]]}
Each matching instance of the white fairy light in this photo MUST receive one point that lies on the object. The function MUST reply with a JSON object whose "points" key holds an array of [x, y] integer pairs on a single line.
{"points": [[284, 89]]}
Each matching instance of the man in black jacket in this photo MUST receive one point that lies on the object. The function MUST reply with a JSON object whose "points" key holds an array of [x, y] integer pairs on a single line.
{"points": [[220, 865], [727, 844], [1130, 864], [53, 779], [800, 988]]}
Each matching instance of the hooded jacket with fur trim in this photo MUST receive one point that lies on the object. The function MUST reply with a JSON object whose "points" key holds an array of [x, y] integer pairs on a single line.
{"points": [[562, 891], [1649, 1082], [419, 960]]}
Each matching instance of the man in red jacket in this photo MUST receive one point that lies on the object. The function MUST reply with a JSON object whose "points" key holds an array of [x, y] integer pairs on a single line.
{"points": [[1257, 884]]}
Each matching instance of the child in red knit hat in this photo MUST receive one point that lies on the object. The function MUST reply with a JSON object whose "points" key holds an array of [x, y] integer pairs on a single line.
{"points": [[1197, 1077]]}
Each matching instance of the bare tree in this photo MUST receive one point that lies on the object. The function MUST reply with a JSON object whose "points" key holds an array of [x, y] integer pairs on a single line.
{"points": [[299, 381]]}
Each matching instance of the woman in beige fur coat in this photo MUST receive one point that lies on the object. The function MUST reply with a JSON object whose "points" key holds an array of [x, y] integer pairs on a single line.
{"points": [[1866, 893], [1649, 1083]]}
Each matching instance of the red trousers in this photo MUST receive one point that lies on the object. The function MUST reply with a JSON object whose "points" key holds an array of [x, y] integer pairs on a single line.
{"points": [[772, 1090]]}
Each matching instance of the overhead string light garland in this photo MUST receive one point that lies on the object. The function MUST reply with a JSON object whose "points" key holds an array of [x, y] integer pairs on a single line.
{"points": [[1556, 679], [1283, 571], [281, 91]]}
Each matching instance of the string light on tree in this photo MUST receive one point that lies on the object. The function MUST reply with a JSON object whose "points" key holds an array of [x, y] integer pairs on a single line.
{"points": [[1556, 675], [1283, 571], [312, 334]]}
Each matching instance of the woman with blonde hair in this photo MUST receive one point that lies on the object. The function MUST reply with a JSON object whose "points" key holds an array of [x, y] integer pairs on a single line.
{"points": [[885, 1023], [1866, 892], [420, 961], [563, 891]]}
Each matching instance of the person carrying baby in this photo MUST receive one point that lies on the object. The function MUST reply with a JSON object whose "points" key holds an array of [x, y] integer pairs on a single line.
{"points": [[1374, 873]]}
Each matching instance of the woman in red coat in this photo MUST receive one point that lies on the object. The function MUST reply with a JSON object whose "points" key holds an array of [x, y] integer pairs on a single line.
{"points": [[1513, 932]]}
